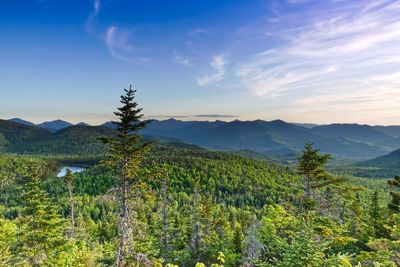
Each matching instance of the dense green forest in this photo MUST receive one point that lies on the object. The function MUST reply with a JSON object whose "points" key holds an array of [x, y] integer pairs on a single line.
{"points": [[235, 202], [173, 204]]}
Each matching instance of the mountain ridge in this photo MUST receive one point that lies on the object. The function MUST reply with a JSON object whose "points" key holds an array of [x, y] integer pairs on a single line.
{"points": [[275, 137]]}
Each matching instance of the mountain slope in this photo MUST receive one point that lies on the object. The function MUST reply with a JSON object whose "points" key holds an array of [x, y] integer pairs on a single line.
{"points": [[358, 133], [391, 160], [18, 135], [270, 137], [392, 130], [74, 140], [22, 121], [54, 126]]}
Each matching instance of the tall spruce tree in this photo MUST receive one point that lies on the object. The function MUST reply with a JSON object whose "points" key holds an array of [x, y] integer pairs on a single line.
{"points": [[67, 181], [197, 235], [40, 227], [315, 177], [394, 204], [127, 152], [164, 214]]}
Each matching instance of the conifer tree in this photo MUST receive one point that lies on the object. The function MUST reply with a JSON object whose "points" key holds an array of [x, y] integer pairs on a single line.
{"points": [[376, 217], [127, 152], [394, 204], [40, 228], [7, 238], [197, 235], [68, 180], [375, 210], [315, 177], [356, 214], [237, 240], [164, 213]]}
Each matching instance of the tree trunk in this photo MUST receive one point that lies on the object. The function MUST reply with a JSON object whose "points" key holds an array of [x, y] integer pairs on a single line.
{"points": [[308, 189], [123, 219], [71, 203], [122, 226], [196, 238], [164, 216]]}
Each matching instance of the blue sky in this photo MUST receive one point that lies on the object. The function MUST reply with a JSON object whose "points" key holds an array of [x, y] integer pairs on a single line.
{"points": [[296, 60]]}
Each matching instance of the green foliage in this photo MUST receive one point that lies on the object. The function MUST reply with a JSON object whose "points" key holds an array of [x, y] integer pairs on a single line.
{"points": [[394, 184], [126, 153], [74, 140], [40, 227], [3, 143], [13, 169], [240, 202], [7, 237], [316, 178]]}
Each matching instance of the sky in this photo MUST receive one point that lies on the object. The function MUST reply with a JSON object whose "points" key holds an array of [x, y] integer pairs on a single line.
{"points": [[310, 61]]}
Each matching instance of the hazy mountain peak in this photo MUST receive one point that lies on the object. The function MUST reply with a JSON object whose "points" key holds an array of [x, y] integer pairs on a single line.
{"points": [[22, 121], [55, 125], [83, 124]]}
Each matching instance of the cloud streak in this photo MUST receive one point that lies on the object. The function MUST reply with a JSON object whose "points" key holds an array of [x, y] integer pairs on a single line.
{"points": [[191, 116], [116, 43], [336, 55], [179, 59], [214, 116], [92, 16], [119, 48], [218, 64], [196, 32]]}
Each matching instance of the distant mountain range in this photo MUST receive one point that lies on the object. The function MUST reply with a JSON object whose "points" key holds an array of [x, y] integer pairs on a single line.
{"points": [[52, 126], [281, 138], [77, 139], [267, 137]]}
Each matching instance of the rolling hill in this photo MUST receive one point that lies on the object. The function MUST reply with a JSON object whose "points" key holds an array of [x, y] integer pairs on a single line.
{"points": [[73, 140], [18, 135], [391, 160], [77, 140]]}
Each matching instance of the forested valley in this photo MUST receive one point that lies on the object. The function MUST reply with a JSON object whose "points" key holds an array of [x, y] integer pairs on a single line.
{"points": [[147, 203]]}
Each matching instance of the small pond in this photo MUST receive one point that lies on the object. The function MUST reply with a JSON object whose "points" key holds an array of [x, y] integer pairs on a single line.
{"points": [[73, 169]]}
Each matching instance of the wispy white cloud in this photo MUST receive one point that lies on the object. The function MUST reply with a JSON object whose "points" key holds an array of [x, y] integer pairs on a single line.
{"points": [[116, 42], [196, 32], [92, 16], [297, 1], [189, 116], [96, 5], [115, 38], [218, 64], [179, 59], [119, 47], [214, 116], [341, 54]]}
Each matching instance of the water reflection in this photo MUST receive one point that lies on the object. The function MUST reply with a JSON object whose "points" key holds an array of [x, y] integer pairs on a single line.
{"points": [[63, 171]]}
